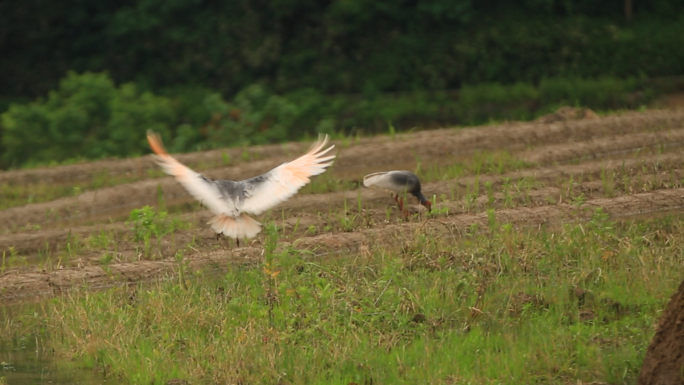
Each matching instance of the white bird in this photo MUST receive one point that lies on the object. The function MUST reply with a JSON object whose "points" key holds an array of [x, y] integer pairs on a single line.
{"points": [[230, 200], [398, 182]]}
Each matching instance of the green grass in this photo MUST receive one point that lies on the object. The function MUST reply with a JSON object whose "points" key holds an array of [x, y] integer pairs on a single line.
{"points": [[560, 306], [479, 163]]}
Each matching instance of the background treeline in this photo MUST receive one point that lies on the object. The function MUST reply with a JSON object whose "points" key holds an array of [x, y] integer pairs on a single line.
{"points": [[213, 73]]}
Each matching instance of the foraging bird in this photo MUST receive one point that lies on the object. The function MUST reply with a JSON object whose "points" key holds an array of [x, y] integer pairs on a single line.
{"points": [[398, 182], [230, 200]]}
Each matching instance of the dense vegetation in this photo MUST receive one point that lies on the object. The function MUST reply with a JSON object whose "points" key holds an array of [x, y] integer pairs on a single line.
{"points": [[335, 46], [90, 117], [246, 72]]}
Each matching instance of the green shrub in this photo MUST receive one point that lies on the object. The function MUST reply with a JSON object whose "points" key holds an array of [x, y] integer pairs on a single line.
{"points": [[147, 223], [602, 93], [255, 116], [89, 117]]}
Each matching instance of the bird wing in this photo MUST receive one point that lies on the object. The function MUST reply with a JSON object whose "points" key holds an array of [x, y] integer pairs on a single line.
{"points": [[200, 187], [278, 185]]}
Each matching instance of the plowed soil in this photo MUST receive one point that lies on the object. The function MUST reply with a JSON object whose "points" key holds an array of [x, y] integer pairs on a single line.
{"points": [[628, 164]]}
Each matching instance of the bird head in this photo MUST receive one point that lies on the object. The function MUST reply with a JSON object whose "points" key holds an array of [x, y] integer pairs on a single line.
{"points": [[425, 202]]}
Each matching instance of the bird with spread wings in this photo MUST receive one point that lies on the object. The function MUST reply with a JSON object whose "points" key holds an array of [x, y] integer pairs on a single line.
{"points": [[231, 201]]}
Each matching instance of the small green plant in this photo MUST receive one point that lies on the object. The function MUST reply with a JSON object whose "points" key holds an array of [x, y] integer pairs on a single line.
{"points": [[359, 205], [73, 248], [439, 211], [347, 223], [391, 130], [105, 261], [490, 193], [388, 213], [491, 219], [579, 200], [161, 203], [296, 226], [147, 223], [246, 155], [182, 264], [608, 182], [101, 240], [469, 201]]}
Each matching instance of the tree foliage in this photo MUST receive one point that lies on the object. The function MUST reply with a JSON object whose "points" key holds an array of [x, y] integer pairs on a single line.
{"points": [[334, 46], [88, 116]]}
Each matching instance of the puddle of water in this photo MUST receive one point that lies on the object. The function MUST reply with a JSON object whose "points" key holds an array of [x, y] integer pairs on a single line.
{"points": [[24, 362]]}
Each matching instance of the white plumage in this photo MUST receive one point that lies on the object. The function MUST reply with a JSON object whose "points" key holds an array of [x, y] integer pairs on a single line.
{"points": [[230, 201]]}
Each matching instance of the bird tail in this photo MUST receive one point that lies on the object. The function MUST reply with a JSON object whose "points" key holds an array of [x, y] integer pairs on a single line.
{"points": [[239, 228], [374, 178]]}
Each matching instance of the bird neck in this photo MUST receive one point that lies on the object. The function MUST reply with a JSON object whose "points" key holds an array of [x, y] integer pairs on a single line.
{"points": [[423, 200]]}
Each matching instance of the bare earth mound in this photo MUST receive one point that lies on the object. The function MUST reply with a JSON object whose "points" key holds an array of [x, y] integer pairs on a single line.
{"points": [[664, 362], [567, 113]]}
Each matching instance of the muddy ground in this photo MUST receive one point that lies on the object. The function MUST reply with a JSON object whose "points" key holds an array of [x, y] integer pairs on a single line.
{"points": [[626, 164]]}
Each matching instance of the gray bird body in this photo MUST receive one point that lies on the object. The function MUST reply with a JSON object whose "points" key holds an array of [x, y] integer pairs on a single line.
{"points": [[399, 182], [235, 192]]}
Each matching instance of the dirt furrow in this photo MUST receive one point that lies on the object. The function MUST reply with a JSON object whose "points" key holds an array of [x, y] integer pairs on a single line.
{"points": [[655, 168], [603, 147]]}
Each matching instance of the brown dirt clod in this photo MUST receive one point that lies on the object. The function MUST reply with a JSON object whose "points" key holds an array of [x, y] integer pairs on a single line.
{"points": [[664, 361], [567, 113]]}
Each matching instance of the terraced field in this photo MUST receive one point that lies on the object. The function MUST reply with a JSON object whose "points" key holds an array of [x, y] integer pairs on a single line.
{"points": [[65, 227]]}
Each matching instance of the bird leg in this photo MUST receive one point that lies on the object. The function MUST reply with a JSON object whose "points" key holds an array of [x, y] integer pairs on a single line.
{"points": [[237, 240], [218, 236], [399, 201]]}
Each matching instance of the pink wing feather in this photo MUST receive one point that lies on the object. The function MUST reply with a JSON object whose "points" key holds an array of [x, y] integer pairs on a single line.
{"points": [[281, 183]]}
